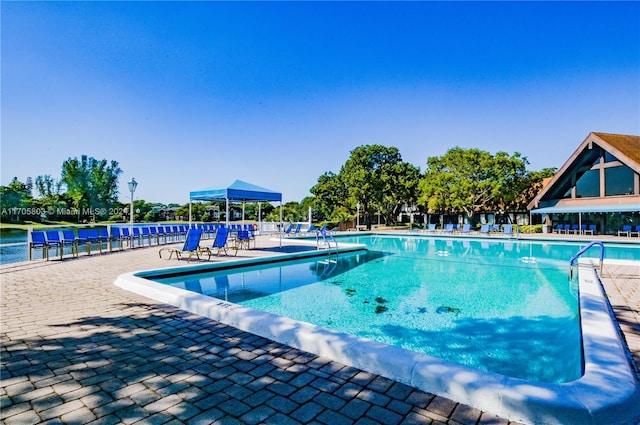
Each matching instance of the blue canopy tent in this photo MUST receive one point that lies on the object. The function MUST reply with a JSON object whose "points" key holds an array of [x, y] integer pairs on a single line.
{"points": [[238, 191]]}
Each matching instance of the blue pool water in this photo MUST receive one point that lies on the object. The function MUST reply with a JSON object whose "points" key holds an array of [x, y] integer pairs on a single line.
{"points": [[501, 306]]}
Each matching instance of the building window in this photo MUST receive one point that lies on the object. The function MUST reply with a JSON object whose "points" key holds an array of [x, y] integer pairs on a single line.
{"points": [[609, 158], [588, 185], [618, 181]]}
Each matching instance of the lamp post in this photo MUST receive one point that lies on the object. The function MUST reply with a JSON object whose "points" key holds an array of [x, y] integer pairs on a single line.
{"points": [[358, 217], [133, 184]]}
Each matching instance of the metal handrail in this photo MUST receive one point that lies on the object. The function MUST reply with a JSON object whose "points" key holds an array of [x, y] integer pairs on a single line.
{"points": [[324, 234], [583, 250]]}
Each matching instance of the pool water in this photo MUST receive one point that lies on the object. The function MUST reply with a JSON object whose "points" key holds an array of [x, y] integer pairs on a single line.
{"points": [[496, 305]]}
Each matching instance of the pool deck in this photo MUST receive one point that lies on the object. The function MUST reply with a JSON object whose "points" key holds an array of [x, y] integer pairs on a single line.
{"points": [[78, 349]]}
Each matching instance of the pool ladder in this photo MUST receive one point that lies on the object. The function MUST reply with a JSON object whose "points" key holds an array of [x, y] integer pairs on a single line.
{"points": [[327, 238], [582, 251]]}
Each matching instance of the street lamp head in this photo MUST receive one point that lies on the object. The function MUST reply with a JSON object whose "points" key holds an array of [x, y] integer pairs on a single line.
{"points": [[132, 185]]}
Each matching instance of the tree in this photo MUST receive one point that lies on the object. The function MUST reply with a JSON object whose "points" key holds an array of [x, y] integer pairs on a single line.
{"points": [[16, 201], [472, 180], [329, 193], [400, 187], [375, 177], [92, 184]]}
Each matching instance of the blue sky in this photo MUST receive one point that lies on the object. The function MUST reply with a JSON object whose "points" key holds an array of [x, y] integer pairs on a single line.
{"points": [[190, 95]]}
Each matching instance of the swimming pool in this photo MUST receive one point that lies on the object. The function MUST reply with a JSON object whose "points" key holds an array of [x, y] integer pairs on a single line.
{"points": [[519, 277]]}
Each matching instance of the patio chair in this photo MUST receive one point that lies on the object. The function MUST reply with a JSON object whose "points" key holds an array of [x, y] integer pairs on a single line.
{"points": [[626, 230], [104, 236], [466, 229], [591, 229], [296, 231], [94, 238], [242, 239], [507, 229], [485, 229], [635, 232], [219, 243], [311, 229], [38, 240], [558, 228], [127, 236], [575, 229], [69, 239], [54, 241], [431, 228], [116, 236], [191, 246], [448, 228], [83, 239], [288, 229]]}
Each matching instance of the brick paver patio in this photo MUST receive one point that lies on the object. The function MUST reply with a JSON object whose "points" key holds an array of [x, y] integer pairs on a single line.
{"points": [[76, 349]]}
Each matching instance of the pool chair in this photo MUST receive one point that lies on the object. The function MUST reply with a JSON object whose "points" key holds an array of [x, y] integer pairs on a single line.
{"points": [[591, 229], [311, 229], [484, 229], [448, 228], [558, 228], [126, 236], [288, 229], [431, 228], [103, 234], [191, 246], [466, 229], [95, 239], [38, 241], [83, 239], [626, 230], [219, 243], [507, 229], [575, 229], [116, 236], [54, 241], [635, 232], [242, 240], [69, 240], [296, 231]]}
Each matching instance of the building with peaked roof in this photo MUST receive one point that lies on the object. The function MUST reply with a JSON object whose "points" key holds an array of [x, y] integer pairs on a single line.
{"points": [[599, 184]]}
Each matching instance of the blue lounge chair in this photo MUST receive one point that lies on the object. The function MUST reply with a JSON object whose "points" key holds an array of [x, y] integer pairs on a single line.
{"points": [[591, 229], [94, 238], [311, 229], [626, 230], [466, 229], [69, 240], [104, 236], [242, 240], [219, 243], [54, 241], [116, 236], [635, 232], [431, 228], [507, 229], [484, 229], [448, 228], [288, 229], [296, 231], [191, 246], [575, 229], [38, 240], [83, 239], [126, 236], [558, 228]]}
